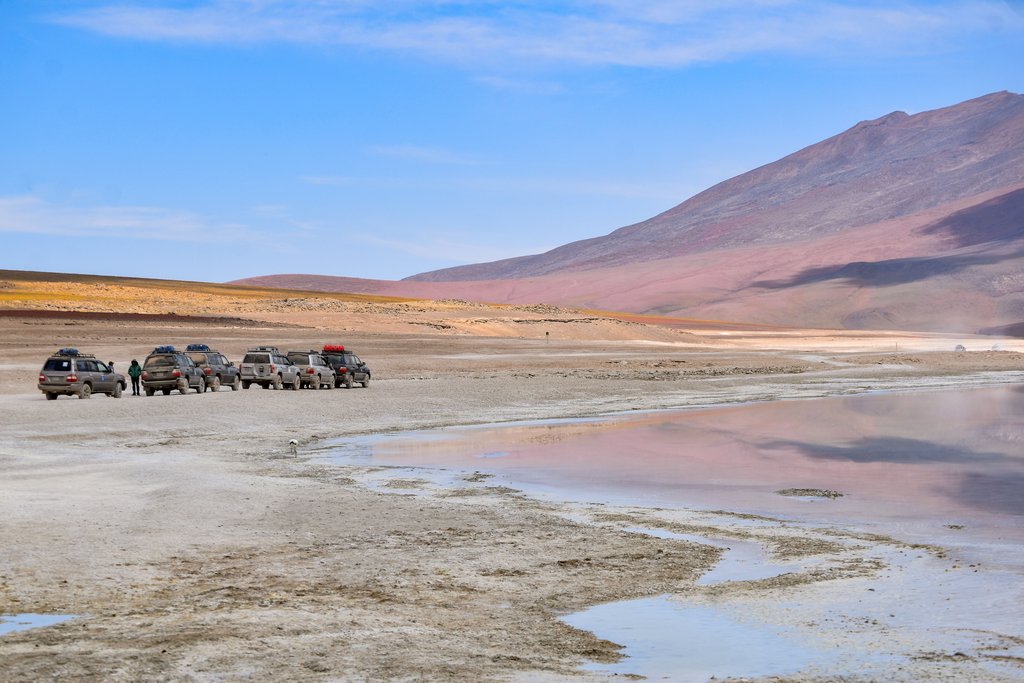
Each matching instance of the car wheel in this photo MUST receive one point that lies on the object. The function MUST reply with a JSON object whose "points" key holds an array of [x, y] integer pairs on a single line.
{"points": [[236, 384], [297, 384], [150, 391], [85, 391], [117, 390], [50, 396], [366, 382], [319, 383], [201, 387], [348, 381], [278, 383], [213, 384], [246, 385]]}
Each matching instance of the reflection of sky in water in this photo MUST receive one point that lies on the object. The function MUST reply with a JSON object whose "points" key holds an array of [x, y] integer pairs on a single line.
{"points": [[911, 462], [22, 622], [690, 643], [741, 561]]}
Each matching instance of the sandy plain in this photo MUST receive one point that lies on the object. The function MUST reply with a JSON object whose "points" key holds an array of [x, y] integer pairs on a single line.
{"points": [[194, 545]]}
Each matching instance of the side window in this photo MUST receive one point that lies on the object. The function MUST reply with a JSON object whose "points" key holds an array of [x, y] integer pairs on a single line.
{"points": [[355, 359], [101, 366], [83, 366]]}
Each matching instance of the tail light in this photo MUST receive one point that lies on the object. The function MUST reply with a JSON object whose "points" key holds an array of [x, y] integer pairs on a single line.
{"points": [[72, 378], [42, 378], [309, 371], [176, 373], [207, 371], [273, 369], [145, 375], [342, 369]]}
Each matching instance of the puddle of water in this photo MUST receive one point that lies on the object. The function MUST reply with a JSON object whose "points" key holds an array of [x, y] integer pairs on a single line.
{"points": [[23, 622], [666, 640], [741, 561]]}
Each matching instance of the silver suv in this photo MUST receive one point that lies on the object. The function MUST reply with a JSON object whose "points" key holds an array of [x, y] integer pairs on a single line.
{"points": [[167, 369], [79, 374], [269, 368], [316, 372]]}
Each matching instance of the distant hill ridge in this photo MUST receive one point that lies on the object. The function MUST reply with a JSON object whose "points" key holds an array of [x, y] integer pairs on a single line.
{"points": [[891, 167]]}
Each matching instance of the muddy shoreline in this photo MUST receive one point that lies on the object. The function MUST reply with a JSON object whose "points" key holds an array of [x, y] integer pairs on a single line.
{"points": [[195, 547]]}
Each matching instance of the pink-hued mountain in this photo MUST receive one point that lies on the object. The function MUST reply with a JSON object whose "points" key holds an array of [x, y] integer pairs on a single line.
{"points": [[913, 222]]}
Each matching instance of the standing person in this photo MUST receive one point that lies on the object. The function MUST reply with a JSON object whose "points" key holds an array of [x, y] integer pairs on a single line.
{"points": [[135, 371]]}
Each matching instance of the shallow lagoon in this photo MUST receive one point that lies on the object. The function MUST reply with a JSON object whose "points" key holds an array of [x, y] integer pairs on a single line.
{"points": [[909, 464], [942, 467]]}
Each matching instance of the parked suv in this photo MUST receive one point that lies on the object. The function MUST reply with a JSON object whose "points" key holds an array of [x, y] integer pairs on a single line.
{"points": [[268, 367], [348, 366], [315, 372], [167, 369], [218, 369], [79, 374]]}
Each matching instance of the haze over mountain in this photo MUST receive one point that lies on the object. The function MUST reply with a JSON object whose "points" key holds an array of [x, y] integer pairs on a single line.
{"points": [[912, 222]]}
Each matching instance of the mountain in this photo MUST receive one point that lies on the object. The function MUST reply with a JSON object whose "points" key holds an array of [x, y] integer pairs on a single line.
{"points": [[894, 166], [905, 222]]}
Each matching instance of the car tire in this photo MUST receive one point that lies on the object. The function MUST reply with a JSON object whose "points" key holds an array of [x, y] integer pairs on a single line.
{"points": [[246, 385], [214, 384], [278, 382], [117, 390], [201, 387], [50, 396], [319, 383], [150, 391], [236, 384], [297, 384], [85, 391], [366, 382], [348, 381]]}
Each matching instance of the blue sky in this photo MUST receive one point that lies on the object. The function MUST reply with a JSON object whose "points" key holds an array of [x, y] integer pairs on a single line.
{"points": [[219, 139]]}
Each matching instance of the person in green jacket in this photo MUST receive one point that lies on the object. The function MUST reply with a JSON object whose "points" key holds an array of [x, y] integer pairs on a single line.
{"points": [[135, 371]]}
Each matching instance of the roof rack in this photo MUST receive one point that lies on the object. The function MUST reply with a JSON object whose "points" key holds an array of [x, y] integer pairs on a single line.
{"points": [[197, 347], [271, 349], [68, 351]]}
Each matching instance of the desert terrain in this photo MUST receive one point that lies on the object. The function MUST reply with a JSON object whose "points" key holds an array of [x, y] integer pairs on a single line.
{"points": [[190, 541]]}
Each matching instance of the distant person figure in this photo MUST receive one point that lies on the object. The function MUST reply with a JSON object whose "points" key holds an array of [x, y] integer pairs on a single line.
{"points": [[135, 371]]}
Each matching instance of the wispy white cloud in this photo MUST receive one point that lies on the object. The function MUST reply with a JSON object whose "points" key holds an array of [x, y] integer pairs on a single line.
{"points": [[661, 190], [447, 248], [427, 155], [640, 33], [31, 215]]}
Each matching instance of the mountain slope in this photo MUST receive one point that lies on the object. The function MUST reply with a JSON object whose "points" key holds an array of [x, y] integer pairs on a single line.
{"points": [[906, 222], [892, 167]]}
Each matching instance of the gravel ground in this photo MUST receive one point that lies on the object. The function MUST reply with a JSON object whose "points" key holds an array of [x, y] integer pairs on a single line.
{"points": [[196, 547]]}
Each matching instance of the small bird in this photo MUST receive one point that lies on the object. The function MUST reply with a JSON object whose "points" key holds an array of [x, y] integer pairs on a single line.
{"points": [[295, 446]]}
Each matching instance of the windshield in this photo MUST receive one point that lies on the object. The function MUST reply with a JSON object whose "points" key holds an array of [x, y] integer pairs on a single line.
{"points": [[57, 365], [256, 358], [160, 362]]}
